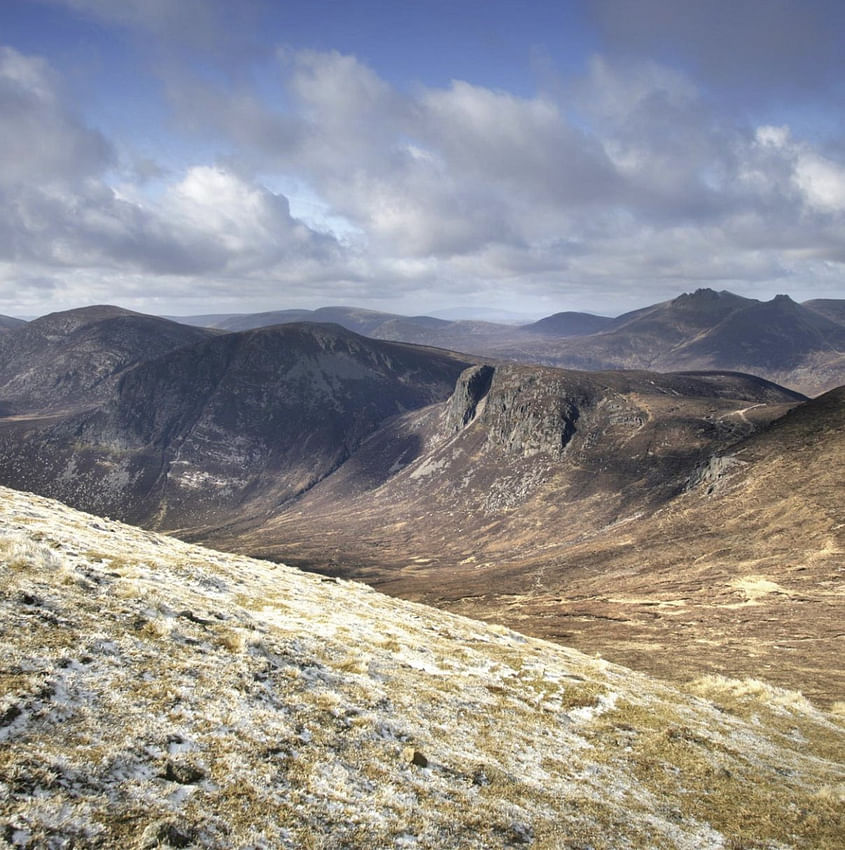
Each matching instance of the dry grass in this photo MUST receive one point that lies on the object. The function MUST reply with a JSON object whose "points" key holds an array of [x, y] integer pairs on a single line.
{"points": [[169, 695]]}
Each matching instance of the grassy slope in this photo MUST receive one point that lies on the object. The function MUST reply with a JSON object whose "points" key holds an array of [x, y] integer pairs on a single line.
{"points": [[153, 693]]}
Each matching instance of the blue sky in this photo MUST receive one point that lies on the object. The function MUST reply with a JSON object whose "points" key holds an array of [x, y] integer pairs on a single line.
{"points": [[499, 158]]}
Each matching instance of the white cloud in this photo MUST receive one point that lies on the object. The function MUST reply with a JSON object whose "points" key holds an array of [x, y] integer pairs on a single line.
{"points": [[822, 181], [631, 180]]}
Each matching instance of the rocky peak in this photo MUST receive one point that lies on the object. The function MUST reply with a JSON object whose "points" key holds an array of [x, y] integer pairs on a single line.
{"points": [[530, 411]]}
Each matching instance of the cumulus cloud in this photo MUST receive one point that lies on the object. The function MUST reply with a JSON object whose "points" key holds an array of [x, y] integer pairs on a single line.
{"points": [[628, 177], [61, 214]]}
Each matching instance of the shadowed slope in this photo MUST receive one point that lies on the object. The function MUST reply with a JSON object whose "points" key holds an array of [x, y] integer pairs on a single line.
{"points": [[74, 359]]}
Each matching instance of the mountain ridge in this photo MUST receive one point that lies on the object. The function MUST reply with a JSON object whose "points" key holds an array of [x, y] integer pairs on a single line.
{"points": [[800, 346]]}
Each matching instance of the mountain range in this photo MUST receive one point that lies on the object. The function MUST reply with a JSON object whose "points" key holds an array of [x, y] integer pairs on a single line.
{"points": [[801, 346], [658, 557]]}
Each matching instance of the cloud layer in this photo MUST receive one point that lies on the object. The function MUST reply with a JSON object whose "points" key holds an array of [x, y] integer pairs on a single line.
{"points": [[625, 184]]}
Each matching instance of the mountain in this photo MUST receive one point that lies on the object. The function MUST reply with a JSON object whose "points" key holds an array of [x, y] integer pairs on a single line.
{"points": [[516, 451], [787, 338], [799, 346], [75, 358], [237, 422], [156, 694], [7, 323], [365, 322], [830, 308], [569, 324], [778, 340], [542, 498]]}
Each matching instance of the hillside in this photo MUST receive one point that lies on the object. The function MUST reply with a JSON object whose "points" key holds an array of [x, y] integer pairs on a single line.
{"points": [[741, 573], [569, 324], [7, 323], [831, 308], [74, 359], [158, 694], [233, 425]]}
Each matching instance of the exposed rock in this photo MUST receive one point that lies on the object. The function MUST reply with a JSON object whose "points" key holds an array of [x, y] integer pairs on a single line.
{"points": [[530, 413], [412, 755], [712, 473], [472, 387], [183, 772]]}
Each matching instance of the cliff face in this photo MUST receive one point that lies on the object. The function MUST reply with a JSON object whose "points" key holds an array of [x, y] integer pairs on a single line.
{"points": [[531, 414]]}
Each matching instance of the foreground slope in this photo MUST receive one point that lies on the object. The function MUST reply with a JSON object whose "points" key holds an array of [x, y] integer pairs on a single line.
{"points": [[157, 694]]}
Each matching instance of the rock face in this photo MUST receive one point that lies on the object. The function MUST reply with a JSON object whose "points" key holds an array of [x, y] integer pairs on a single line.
{"points": [[531, 414], [470, 391]]}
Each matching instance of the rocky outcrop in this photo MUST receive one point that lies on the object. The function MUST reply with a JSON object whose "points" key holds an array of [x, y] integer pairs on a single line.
{"points": [[471, 389], [529, 413]]}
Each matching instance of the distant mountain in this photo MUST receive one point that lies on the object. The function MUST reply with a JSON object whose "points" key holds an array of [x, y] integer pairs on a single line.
{"points": [[569, 324], [162, 695], [365, 322], [778, 340], [7, 323], [75, 358], [800, 346], [831, 308]]}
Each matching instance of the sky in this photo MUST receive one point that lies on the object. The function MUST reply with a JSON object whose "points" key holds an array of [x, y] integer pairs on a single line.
{"points": [[438, 157]]}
